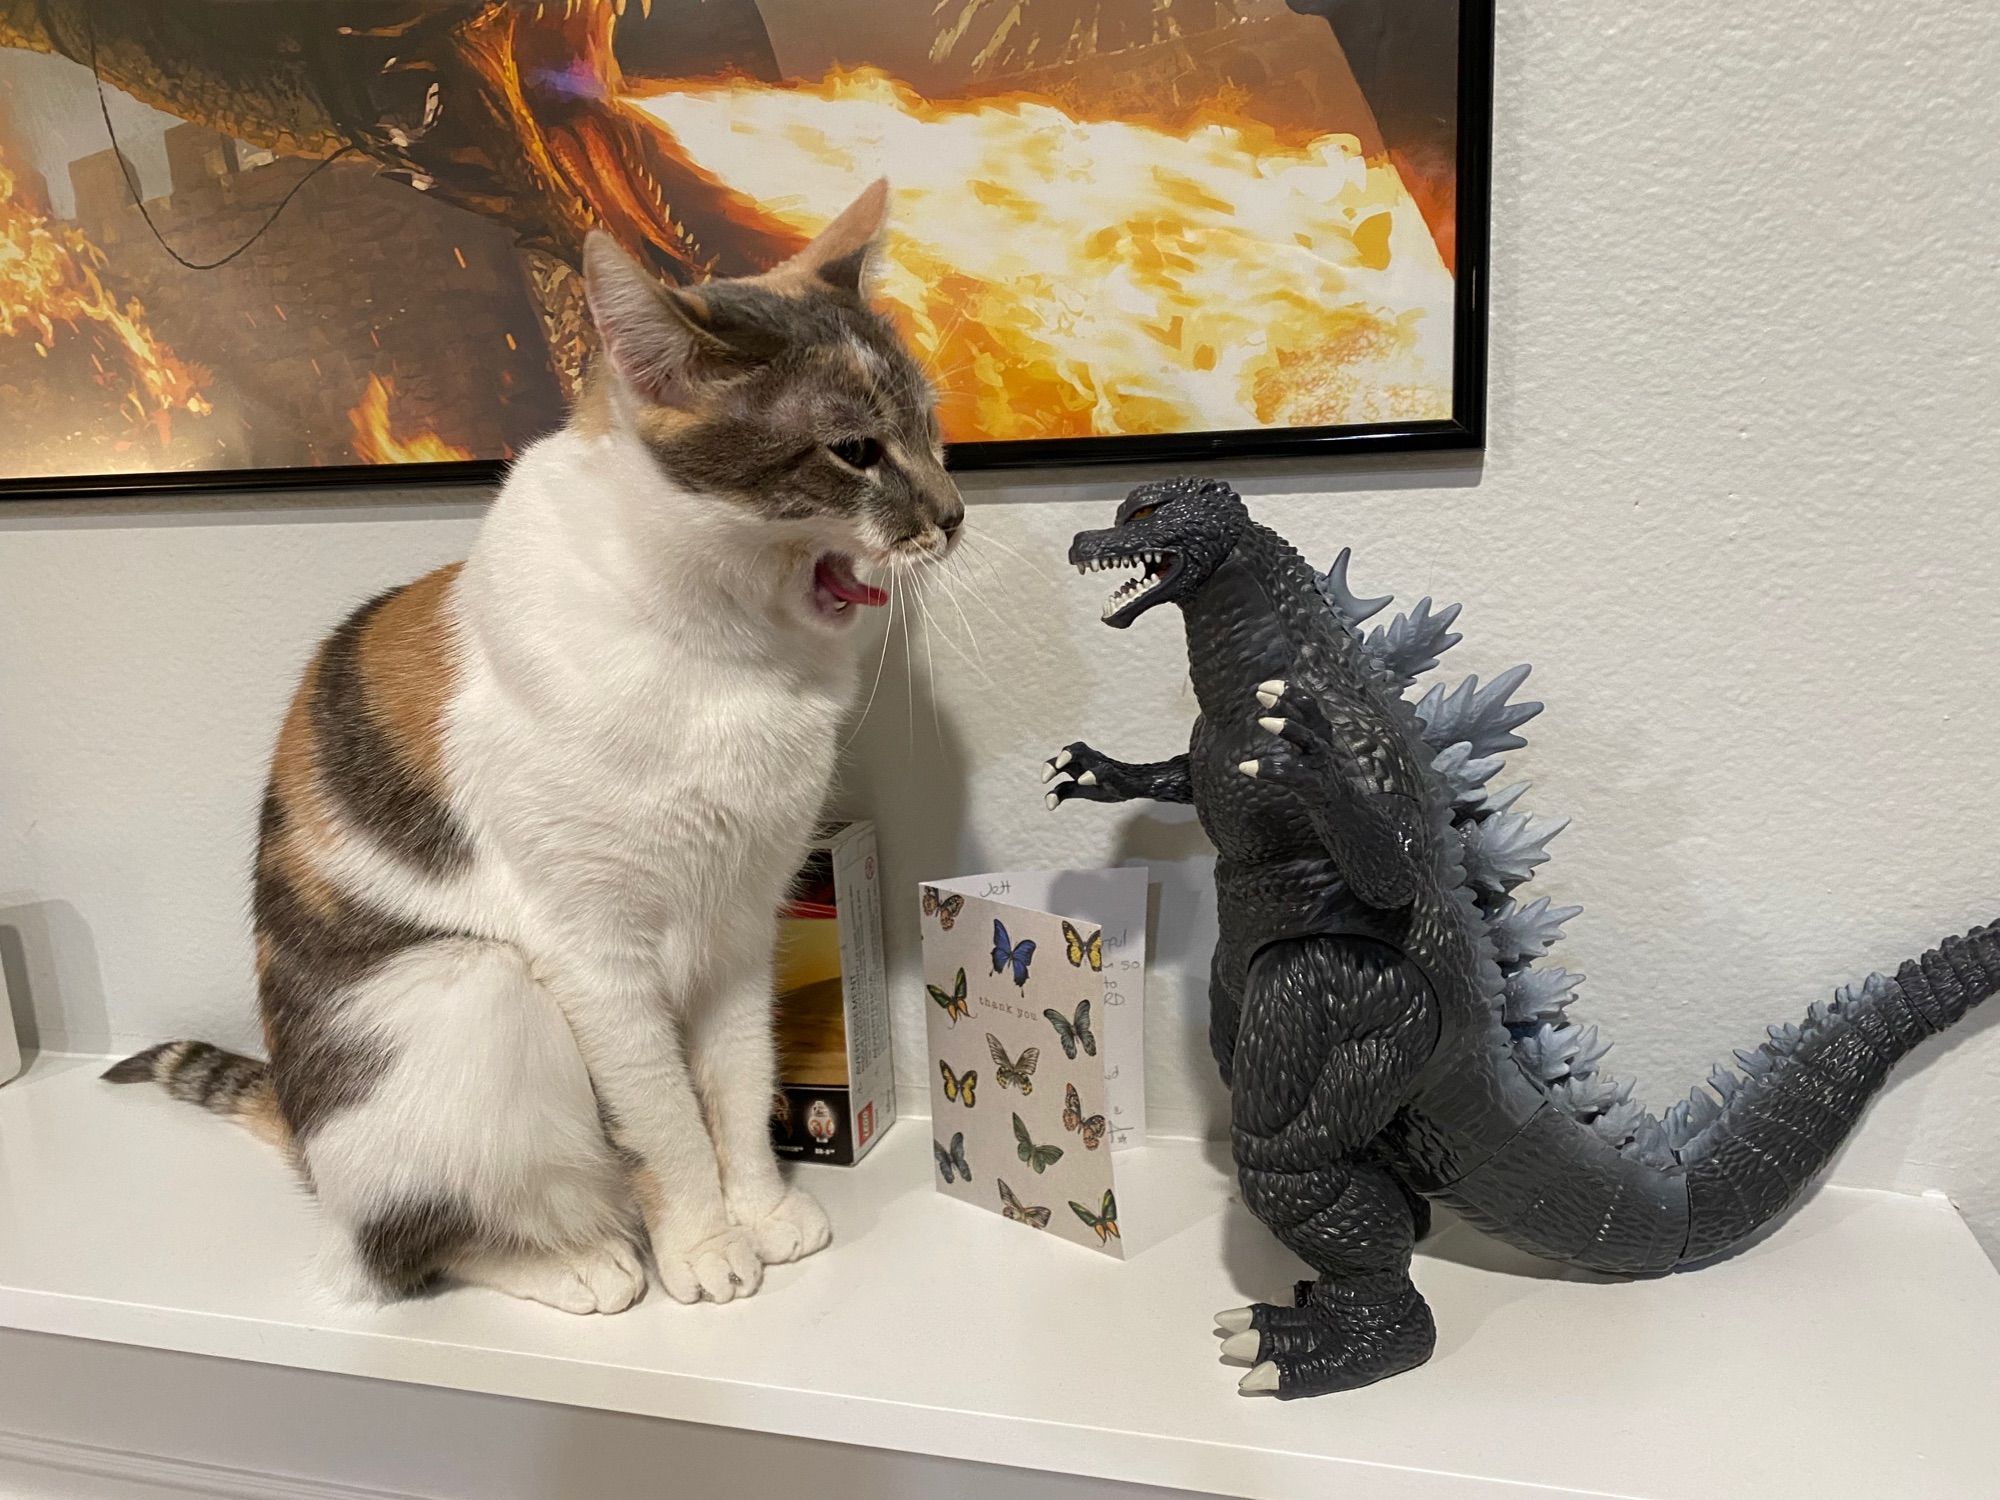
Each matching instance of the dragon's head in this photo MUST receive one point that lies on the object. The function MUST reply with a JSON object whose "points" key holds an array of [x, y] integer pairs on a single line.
{"points": [[1175, 531]]}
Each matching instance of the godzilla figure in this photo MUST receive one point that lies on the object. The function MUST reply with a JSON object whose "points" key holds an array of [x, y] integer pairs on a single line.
{"points": [[1378, 1009]]}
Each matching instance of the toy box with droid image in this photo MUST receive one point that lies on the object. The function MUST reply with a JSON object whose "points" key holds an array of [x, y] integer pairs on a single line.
{"points": [[836, 1074]]}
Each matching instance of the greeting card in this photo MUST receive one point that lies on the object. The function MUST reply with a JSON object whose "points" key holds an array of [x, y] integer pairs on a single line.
{"points": [[1036, 987]]}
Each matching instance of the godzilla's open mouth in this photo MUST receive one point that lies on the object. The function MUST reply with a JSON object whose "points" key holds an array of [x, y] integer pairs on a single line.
{"points": [[1158, 567]]}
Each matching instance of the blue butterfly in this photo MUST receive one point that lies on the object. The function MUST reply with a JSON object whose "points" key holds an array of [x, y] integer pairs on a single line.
{"points": [[1006, 951]]}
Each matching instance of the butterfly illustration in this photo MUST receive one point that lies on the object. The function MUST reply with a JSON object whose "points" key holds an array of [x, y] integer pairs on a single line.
{"points": [[1006, 951], [1041, 1158], [1010, 1207], [1104, 1221], [958, 1087], [1070, 1032], [1091, 1129], [944, 908], [947, 1161], [953, 1004], [1079, 949], [1013, 1072]]}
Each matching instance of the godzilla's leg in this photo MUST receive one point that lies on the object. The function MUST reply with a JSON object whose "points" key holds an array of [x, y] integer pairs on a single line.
{"points": [[1098, 778], [1332, 1032]]}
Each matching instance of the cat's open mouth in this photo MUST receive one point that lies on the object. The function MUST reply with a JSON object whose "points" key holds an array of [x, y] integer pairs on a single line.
{"points": [[835, 586], [1157, 568]]}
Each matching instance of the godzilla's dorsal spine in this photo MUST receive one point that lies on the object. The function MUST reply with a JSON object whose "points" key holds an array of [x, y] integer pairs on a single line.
{"points": [[1775, 1135]]}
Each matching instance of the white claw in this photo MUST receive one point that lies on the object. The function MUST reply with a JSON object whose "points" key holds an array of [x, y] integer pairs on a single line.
{"points": [[1261, 1379], [1242, 1347], [1274, 686], [1088, 778], [1062, 759], [1247, 767], [1235, 1320], [1052, 801], [1271, 725], [1266, 700], [1048, 773]]}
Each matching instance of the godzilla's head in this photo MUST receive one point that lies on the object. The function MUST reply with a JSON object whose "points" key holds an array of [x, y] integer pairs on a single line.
{"points": [[1175, 531]]}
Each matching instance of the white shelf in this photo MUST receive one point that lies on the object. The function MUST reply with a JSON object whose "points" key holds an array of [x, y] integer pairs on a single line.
{"points": [[1854, 1352]]}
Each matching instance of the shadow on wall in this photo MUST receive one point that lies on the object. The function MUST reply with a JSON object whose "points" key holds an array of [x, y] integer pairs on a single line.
{"points": [[54, 985]]}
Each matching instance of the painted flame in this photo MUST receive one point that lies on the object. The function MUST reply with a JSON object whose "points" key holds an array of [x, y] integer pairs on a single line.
{"points": [[375, 438], [49, 278], [1070, 278]]}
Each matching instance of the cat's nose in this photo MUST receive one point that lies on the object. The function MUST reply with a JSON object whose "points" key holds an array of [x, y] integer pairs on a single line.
{"points": [[950, 520]]}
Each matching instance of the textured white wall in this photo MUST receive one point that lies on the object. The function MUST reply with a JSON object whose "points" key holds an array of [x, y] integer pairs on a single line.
{"points": [[1737, 510]]}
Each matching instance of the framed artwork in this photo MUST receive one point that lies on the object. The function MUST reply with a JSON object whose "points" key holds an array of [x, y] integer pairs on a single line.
{"points": [[336, 240]]}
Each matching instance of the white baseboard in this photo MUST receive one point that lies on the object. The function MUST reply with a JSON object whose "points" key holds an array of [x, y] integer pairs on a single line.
{"points": [[33, 1468]]}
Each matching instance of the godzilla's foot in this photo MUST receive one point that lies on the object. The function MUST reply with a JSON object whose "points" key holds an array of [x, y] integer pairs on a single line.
{"points": [[1339, 1337]]}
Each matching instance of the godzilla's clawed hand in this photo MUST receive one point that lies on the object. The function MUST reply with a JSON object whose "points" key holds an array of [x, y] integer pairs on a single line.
{"points": [[1302, 760], [1086, 774], [1376, 837]]}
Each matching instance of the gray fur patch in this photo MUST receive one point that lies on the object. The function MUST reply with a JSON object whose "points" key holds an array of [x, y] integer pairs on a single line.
{"points": [[311, 959], [406, 1248]]}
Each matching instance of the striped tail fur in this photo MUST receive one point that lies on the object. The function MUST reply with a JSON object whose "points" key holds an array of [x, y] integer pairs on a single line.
{"points": [[223, 1083]]}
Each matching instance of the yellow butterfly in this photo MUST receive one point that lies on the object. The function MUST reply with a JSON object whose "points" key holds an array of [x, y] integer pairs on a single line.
{"points": [[1091, 1127], [958, 1087], [1079, 950], [1104, 1221]]}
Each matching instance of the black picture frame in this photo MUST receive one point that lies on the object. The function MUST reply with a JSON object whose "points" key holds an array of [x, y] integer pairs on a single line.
{"points": [[1464, 431]]}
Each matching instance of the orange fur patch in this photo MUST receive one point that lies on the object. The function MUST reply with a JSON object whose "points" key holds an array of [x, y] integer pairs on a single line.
{"points": [[408, 660], [258, 1113]]}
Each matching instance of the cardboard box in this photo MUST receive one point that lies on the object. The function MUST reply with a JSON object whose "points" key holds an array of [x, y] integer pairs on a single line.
{"points": [[836, 1069]]}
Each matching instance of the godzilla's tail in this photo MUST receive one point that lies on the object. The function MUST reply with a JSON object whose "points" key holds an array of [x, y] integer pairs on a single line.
{"points": [[1613, 1189], [1802, 1091], [224, 1083]]}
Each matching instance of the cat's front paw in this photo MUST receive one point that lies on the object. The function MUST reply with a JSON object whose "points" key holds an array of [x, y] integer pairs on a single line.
{"points": [[795, 1227], [720, 1268]]}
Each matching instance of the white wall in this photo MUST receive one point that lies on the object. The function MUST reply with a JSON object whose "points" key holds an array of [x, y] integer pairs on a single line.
{"points": [[1737, 509]]}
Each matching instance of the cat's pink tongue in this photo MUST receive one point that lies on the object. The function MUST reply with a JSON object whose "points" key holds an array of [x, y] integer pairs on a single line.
{"points": [[835, 573]]}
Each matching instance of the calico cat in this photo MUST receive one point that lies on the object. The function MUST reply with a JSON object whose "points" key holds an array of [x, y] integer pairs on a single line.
{"points": [[530, 818]]}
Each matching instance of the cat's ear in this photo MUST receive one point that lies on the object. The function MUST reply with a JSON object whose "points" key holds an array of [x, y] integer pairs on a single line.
{"points": [[652, 333], [838, 255]]}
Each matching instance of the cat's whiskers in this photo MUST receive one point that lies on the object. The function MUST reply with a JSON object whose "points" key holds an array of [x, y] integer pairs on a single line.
{"points": [[972, 554], [880, 662], [949, 575]]}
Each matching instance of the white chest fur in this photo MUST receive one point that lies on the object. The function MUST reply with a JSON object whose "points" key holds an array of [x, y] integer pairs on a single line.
{"points": [[639, 749]]}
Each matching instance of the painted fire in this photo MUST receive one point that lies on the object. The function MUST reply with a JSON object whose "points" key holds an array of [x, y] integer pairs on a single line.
{"points": [[376, 440], [1069, 278], [51, 287]]}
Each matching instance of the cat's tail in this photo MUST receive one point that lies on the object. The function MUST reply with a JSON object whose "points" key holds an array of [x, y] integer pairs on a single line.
{"points": [[224, 1083]]}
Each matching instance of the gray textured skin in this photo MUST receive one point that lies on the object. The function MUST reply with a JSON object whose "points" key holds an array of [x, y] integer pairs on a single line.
{"points": [[1375, 1002]]}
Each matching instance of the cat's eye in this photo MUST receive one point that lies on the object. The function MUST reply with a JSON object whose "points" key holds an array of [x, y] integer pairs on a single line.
{"points": [[857, 453]]}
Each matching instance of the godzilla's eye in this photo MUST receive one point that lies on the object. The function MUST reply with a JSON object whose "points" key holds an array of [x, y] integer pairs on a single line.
{"points": [[857, 453], [1142, 512]]}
